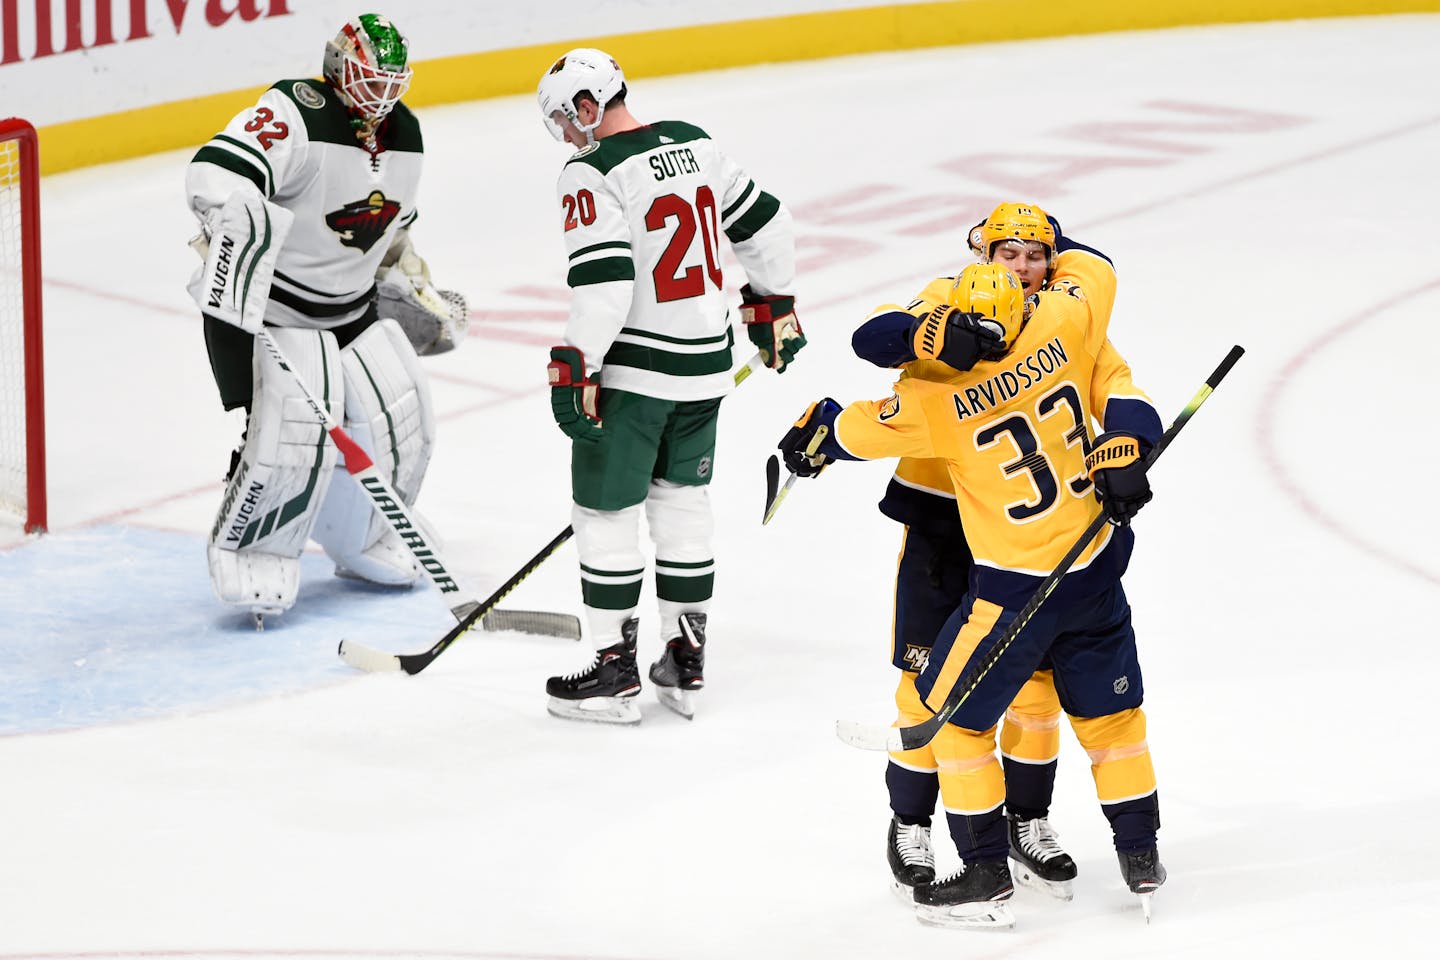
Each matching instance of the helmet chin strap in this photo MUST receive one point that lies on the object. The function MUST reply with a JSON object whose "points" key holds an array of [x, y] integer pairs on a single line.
{"points": [[589, 131]]}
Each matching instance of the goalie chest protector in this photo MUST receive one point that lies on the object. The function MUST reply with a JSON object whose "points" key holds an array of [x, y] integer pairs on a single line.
{"points": [[298, 144]]}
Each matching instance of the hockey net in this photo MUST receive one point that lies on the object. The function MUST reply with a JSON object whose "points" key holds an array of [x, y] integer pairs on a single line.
{"points": [[22, 392]]}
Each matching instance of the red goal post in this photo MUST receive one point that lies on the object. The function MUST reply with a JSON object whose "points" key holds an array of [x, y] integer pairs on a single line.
{"points": [[22, 379]]}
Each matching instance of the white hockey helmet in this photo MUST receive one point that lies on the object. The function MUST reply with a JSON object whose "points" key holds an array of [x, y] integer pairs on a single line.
{"points": [[582, 70], [368, 62]]}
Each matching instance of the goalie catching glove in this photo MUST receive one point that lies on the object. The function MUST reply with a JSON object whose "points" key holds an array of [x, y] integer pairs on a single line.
{"points": [[772, 326], [1116, 463], [434, 320], [574, 397], [799, 447], [957, 339]]}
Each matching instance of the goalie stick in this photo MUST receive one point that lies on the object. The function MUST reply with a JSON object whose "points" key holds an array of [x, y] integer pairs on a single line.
{"points": [[385, 500], [895, 739], [544, 623], [377, 661]]}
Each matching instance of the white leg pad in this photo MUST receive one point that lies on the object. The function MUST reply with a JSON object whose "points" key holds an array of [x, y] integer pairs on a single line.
{"points": [[284, 470], [682, 526], [260, 582], [388, 412], [608, 540]]}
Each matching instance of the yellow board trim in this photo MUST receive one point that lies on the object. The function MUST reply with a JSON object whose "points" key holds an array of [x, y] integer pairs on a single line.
{"points": [[809, 36]]}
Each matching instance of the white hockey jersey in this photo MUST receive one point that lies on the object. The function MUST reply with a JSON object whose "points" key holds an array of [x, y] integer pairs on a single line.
{"points": [[643, 211], [297, 147]]}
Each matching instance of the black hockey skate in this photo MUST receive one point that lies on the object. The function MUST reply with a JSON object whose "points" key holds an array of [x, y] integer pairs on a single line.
{"points": [[912, 861], [974, 896], [1039, 861], [604, 692], [1144, 874], [680, 671]]}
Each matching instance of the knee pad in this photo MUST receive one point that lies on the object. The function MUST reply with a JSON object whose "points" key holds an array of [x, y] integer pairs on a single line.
{"points": [[971, 780], [682, 527], [681, 522], [1031, 732], [612, 568], [1119, 756], [282, 473], [388, 412]]}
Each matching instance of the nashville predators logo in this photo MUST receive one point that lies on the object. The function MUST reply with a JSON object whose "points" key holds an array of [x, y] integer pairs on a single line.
{"points": [[1070, 287], [363, 222], [890, 407], [916, 658]]}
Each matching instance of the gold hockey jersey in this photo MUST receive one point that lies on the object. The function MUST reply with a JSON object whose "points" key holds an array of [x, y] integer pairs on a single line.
{"points": [[1012, 433]]}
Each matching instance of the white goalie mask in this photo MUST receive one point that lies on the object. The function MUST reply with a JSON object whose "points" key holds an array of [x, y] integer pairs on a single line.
{"points": [[583, 70], [368, 63]]}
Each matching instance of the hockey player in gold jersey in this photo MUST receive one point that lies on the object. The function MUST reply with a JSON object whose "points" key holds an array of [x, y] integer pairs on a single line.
{"points": [[1012, 424], [933, 570]]}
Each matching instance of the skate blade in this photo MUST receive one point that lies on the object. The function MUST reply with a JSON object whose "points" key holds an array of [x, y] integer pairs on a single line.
{"points": [[986, 915], [1059, 889], [1145, 904], [680, 701], [616, 710]]}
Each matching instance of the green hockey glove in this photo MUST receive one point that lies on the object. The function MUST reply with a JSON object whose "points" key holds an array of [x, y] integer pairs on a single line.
{"points": [[574, 397]]}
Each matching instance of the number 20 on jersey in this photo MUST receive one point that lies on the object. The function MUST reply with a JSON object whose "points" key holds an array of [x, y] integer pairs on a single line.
{"points": [[671, 281]]}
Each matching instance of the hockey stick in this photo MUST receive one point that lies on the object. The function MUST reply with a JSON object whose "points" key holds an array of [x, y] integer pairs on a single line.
{"points": [[874, 737], [772, 475], [385, 500], [544, 623], [756, 362], [377, 661], [565, 624]]}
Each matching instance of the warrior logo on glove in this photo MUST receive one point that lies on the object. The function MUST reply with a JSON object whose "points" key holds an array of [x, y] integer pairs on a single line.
{"points": [[1116, 463]]}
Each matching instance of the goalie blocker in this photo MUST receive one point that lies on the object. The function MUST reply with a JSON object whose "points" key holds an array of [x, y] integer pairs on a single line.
{"points": [[239, 242]]}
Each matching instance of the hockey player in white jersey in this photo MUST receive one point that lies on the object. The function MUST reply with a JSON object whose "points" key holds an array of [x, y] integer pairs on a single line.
{"points": [[305, 202], [646, 359]]}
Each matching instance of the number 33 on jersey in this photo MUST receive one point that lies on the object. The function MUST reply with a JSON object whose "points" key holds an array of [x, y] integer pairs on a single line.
{"points": [[643, 212]]}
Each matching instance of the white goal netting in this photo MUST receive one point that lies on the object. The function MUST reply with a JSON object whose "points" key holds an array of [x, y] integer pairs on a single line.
{"points": [[13, 465]]}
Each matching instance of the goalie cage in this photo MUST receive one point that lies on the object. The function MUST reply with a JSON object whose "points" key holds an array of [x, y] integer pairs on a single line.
{"points": [[22, 389]]}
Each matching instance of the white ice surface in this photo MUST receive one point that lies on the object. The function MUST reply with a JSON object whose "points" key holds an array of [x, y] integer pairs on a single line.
{"points": [[173, 782]]}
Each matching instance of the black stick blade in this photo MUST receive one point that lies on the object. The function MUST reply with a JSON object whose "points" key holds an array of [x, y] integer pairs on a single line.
{"points": [[772, 483]]}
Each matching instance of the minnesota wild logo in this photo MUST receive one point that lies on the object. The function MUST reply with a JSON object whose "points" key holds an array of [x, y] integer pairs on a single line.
{"points": [[362, 222]]}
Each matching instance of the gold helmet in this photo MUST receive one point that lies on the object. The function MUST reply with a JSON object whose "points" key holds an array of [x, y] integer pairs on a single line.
{"points": [[992, 292], [1014, 221]]}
